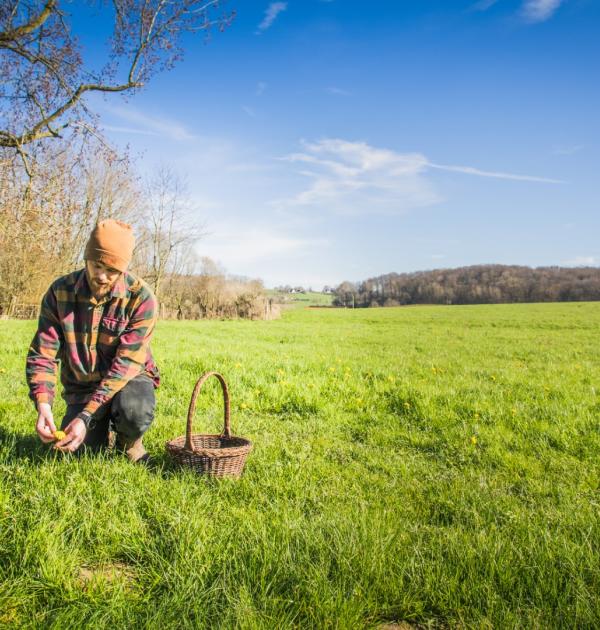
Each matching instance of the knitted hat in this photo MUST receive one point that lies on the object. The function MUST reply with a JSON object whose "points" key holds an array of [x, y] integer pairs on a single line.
{"points": [[111, 243]]}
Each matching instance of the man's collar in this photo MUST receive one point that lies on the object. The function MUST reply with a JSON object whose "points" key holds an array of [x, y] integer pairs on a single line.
{"points": [[81, 285], [120, 288]]}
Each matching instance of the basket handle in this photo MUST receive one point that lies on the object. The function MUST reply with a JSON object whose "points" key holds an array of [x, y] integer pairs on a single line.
{"points": [[226, 408]]}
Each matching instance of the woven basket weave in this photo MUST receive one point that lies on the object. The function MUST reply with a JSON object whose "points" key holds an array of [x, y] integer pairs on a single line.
{"points": [[221, 455]]}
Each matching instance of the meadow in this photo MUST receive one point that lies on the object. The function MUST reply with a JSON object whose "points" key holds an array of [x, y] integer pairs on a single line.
{"points": [[425, 466]]}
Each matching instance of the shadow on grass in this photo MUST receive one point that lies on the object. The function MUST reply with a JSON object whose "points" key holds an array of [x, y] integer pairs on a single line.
{"points": [[28, 447], [19, 447]]}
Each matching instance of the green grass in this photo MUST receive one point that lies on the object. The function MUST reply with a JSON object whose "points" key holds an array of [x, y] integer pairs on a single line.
{"points": [[437, 465]]}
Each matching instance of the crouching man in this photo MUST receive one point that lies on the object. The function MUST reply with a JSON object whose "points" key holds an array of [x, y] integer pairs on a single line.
{"points": [[97, 324]]}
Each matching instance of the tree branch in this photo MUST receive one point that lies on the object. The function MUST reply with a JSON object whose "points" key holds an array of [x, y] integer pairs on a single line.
{"points": [[31, 26]]}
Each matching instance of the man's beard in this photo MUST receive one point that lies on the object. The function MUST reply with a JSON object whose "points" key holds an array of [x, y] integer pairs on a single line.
{"points": [[99, 290]]}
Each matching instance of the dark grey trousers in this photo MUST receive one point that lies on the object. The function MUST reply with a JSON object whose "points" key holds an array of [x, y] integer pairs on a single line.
{"points": [[129, 413]]}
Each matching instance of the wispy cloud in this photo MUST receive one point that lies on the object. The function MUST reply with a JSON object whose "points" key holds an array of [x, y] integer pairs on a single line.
{"points": [[483, 5], [249, 111], [356, 178], [238, 246], [582, 261], [469, 170], [148, 125], [261, 86], [567, 150], [271, 13], [337, 91], [539, 10], [117, 129]]}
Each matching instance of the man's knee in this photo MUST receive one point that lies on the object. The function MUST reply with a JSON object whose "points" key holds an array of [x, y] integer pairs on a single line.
{"points": [[133, 408]]}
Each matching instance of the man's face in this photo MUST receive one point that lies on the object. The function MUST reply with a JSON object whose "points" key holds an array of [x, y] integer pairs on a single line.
{"points": [[101, 278]]}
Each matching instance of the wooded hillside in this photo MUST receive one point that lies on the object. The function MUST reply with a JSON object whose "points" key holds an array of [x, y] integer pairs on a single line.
{"points": [[478, 284]]}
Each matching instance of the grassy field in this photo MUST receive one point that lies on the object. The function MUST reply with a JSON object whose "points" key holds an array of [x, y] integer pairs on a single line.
{"points": [[431, 465]]}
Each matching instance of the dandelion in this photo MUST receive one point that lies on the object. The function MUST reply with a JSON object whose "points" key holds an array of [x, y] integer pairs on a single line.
{"points": [[493, 377], [280, 372], [391, 378], [477, 416], [473, 440], [238, 365], [244, 406], [407, 405], [59, 435], [332, 369], [359, 401]]}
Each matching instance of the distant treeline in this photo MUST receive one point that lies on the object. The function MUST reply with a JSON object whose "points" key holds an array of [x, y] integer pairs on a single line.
{"points": [[478, 284]]}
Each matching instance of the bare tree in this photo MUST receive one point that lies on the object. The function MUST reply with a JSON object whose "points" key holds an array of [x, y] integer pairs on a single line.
{"points": [[43, 77], [171, 229], [76, 182]]}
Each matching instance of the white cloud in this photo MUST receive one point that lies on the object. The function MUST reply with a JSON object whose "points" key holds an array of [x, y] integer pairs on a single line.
{"points": [[567, 150], [149, 125], [142, 132], [469, 170], [356, 178], [240, 246], [539, 10], [337, 91], [249, 111], [273, 10], [483, 5], [261, 86], [582, 261]]}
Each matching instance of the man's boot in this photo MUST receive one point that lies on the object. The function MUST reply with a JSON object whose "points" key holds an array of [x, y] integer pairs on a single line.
{"points": [[133, 449]]}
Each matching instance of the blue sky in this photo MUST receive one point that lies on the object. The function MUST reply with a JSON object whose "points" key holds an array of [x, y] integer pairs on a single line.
{"points": [[332, 140]]}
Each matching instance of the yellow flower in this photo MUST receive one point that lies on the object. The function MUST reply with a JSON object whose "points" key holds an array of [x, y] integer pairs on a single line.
{"points": [[407, 405], [280, 372], [493, 377], [244, 406], [238, 365], [514, 411], [359, 401], [391, 378], [332, 369], [59, 435], [473, 440]]}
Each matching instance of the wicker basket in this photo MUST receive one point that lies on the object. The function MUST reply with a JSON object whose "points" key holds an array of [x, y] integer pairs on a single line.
{"points": [[221, 455]]}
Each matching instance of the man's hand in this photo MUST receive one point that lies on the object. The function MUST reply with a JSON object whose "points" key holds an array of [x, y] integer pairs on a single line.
{"points": [[75, 435], [45, 426]]}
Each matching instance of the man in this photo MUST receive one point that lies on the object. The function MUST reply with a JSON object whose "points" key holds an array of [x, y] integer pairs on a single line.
{"points": [[97, 323]]}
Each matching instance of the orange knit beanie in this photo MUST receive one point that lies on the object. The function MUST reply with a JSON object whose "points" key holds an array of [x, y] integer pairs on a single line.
{"points": [[111, 243]]}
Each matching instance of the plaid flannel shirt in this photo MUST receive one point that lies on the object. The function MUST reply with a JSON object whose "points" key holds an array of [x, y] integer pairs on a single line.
{"points": [[100, 345]]}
